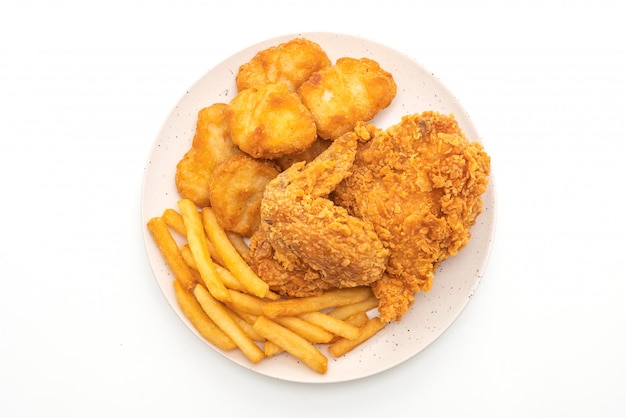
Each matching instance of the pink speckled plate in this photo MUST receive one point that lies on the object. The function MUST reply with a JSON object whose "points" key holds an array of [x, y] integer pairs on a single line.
{"points": [[455, 281]]}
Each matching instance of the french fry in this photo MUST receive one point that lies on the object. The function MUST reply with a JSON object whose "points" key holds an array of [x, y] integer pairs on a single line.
{"points": [[240, 245], [343, 312], [233, 283], [220, 315], [329, 299], [310, 331], [271, 349], [231, 258], [243, 302], [198, 245], [333, 325], [174, 220], [344, 345], [170, 251], [200, 320], [246, 326], [358, 319], [291, 342]]}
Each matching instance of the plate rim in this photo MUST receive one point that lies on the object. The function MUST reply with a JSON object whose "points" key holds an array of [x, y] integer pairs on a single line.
{"points": [[491, 191]]}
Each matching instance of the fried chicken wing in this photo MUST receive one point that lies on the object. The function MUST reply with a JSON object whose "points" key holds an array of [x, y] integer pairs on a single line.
{"points": [[211, 146], [350, 91], [420, 184], [290, 63], [310, 235]]}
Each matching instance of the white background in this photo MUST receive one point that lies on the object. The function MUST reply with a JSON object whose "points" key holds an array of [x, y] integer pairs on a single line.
{"points": [[84, 328]]}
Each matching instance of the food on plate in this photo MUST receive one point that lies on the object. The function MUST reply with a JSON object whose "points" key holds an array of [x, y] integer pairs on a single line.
{"points": [[307, 155], [344, 345], [269, 121], [293, 343], [231, 257], [196, 236], [290, 63], [242, 318], [420, 183], [211, 146], [199, 319], [301, 223], [346, 221], [350, 91], [236, 188], [221, 316]]}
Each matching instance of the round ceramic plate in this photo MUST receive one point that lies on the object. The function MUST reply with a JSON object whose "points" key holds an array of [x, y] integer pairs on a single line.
{"points": [[456, 279]]}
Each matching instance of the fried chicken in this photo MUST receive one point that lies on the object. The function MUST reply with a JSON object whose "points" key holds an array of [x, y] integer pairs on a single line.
{"points": [[290, 63], [420, 184], [210, 147], [305, 243]]}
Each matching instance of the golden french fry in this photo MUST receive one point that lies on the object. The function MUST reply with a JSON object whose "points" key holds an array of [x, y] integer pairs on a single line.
{"points": [[271, 349], [243, 302], [246, 326], [185, 251], [198, 245], [174, 220], [170, 251], [329, 299], [312, 332], [232, 282], [220, 315], [343, 312], [333, 325], [240, 245], [199, 319], [358, 319], [231, 258], [291, 342], [344, 345]]}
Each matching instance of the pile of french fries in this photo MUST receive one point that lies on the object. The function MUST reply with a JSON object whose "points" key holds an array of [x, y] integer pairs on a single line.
{"points": [[231, 307]]}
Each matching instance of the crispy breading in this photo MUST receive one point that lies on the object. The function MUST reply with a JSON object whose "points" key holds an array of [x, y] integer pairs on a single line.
{"points": [[420, 183], [290, 63], [211, 146], [351, 91], [305, 228], [236, 190], [308, 155], [270, 121]]}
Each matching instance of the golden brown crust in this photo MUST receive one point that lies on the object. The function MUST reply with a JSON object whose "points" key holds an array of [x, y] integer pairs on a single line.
{"points": [[420, 183], [270, 121], [305, 228], [290, 63], [211, 146], [348, 92], [236, 190]]}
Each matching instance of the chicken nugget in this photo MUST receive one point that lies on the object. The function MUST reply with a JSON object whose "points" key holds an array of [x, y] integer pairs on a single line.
{"points": [[270, 121], [211, 146], [236, 190], [348, 92], [291, 63]]}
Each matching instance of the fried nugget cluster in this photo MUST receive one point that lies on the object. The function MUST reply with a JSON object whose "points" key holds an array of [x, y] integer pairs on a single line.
{"points": [[291, 103]]}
